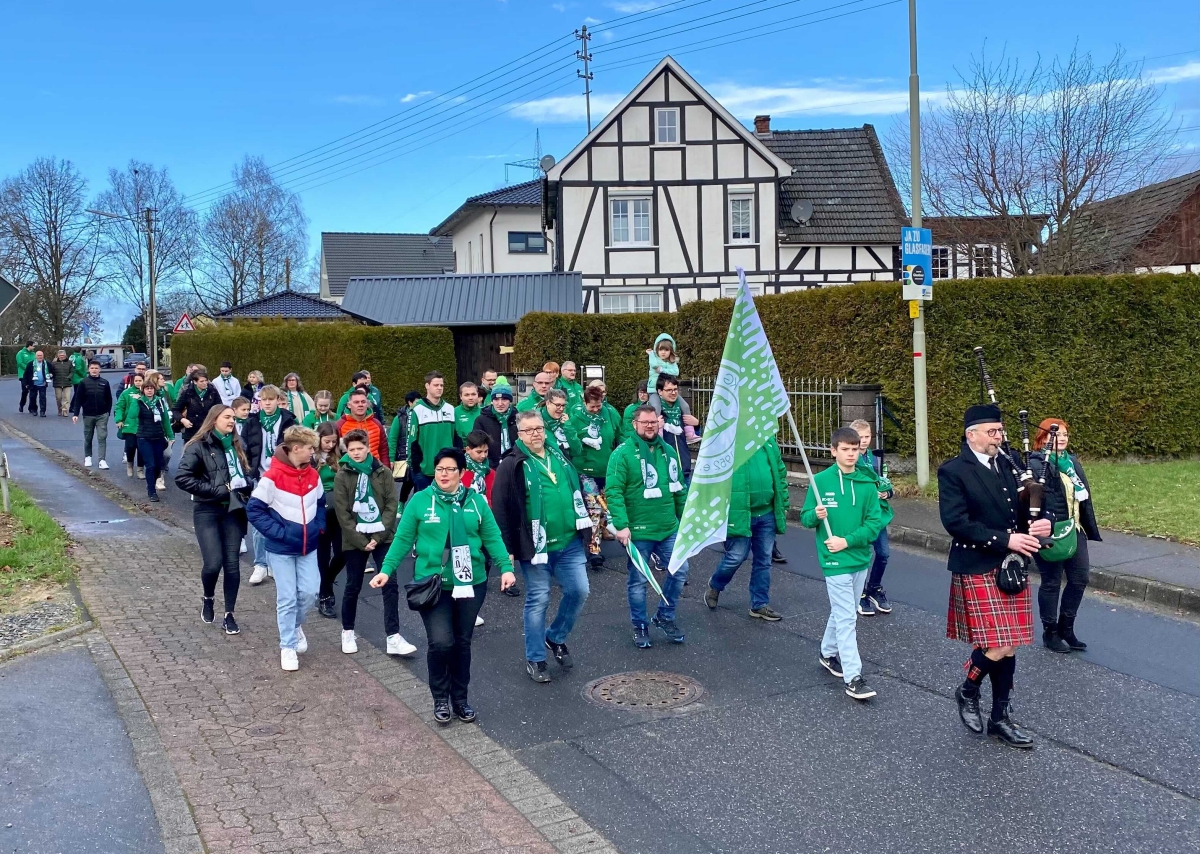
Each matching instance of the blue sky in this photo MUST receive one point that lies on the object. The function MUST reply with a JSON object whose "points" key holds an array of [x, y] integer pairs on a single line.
{"points": [[194, 87]]}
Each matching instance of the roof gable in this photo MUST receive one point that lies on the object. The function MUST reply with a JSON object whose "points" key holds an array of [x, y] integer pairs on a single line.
{"points": [[732, 127], [528, 194], [1118, 226], [289, 304], [346, 254]]}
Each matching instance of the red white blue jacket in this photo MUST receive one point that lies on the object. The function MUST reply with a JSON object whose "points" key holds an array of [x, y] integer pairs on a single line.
{"points": [[288, 507]]}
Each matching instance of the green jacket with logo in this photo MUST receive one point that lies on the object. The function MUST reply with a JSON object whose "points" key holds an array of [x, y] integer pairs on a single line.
{"points": [[430, 428], [125, 410], [763, 475], [646, 518], [852, 501], [589, 460]]}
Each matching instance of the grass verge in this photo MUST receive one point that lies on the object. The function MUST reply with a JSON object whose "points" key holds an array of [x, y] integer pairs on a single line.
{"points": [[1160, 498], [33, 549]]}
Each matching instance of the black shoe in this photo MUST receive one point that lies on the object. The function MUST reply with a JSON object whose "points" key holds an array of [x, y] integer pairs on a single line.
{"points": [[441, 711], [1066, 631], [464, 713], [537, 671], [154, 498], [833, 664], [859, 689], [777, 555], [711, 596], [325, 606], [880, 601], [865, 608], [230, 625], [1053, 642], [561, 654], [641, 637], [669, 629], [513, 591], [206, 610], [968, 711], [1008, 732]]}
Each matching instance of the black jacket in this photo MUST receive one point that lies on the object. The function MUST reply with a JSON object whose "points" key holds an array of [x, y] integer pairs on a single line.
{"points": [[252, 436], [979, 510], [204, 472], [190, 406], [490, 424], [93, 396], [1056, 498], [510, 506]]}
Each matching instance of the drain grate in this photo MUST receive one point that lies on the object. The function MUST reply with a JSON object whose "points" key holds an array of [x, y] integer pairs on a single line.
{"points": [[643, 690]]}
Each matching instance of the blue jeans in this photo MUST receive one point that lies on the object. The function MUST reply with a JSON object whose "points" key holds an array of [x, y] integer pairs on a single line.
{"points": [[760, 541], [672, 585], [152, 455], [841, 631], [297, 581], [420, 481], [882, 552], [258, 543], [569, 568]]}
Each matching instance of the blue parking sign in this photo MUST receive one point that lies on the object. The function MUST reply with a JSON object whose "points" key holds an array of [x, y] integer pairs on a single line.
{"points": [[916, 249]]}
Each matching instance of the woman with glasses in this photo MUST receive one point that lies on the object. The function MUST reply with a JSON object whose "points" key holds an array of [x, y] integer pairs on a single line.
{"points": [[1067, 496], [454, 533], [558, 423]]}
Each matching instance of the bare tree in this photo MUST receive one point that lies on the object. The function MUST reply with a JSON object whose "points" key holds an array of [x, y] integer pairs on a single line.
{"points": [[1030, 147], [130, 193], [53, 246], [248, 237]]}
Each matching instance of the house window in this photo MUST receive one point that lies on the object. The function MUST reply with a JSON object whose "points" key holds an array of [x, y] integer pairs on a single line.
{"points": [[630, 221], [741, 219], [666, 126], [941, 262], [526, 241], [630, 303], [983, 262], [731, 291]]}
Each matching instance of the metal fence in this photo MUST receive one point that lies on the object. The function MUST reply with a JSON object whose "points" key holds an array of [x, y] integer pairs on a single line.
{"points": [[816, 406]]}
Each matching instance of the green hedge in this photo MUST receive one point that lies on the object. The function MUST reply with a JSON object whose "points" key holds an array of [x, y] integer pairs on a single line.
{"points": [[1113, 355], [325, 355]]}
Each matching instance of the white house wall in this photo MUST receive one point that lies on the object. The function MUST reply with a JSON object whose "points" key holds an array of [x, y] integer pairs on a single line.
{"points": [[481, 243]]}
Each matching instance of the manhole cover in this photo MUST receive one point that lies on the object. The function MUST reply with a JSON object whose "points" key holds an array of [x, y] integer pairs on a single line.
{"points": [[644, 690], [265, 729]]}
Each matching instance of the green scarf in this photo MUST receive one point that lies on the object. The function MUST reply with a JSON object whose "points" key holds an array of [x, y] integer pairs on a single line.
{"points": [[366, 509], [268, 423], [533, 488], [1067, 468], [479, 473], [237, 477], [458, 554], [672, 416], [591, 435], [650, 473], [294, 397], [504, 420]]}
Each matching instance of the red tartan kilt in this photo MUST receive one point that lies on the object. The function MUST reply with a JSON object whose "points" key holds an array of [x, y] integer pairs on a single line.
{"points": [[982, 615]]}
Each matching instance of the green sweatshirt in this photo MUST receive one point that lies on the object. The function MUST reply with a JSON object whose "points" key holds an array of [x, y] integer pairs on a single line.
{"points": [[852, 501], [588, 428], [430, 428], [647, 518], [125, 411], [24, 357], [78, 368], [530, 402], [313, 418], [574, 392], [373, 395], [421, 525], [464, 420]]}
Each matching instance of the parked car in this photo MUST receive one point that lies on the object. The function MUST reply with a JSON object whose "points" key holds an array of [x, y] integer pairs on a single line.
{"points": [[107, 362], [133, 358]]}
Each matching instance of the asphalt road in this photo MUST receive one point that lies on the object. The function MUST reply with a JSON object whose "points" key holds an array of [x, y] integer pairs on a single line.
{"points": [[775, 758]]}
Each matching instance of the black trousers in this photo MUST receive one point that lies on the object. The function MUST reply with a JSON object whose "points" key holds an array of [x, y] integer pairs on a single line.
{"points": [[449, 627], [1076, 572], [219, 532], [330, 558], [131, 449], [24, 392], [356, 565], [37, 398]]}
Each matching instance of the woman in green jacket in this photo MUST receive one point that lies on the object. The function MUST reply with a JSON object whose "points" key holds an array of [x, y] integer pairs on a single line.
{"points": [[125, 414], [449, 514]]}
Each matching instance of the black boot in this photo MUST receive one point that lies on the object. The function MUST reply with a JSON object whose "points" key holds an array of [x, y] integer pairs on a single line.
{"points": [[1066, 631], [1003, 729], [777, 555], [968, 710], [1052, 641]]}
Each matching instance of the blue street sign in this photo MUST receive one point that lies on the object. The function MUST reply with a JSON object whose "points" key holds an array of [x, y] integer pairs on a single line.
{"points": [[916, 249]]}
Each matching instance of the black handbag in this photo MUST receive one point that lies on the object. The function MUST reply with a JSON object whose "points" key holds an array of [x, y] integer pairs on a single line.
{"points": [[1013, 574], [424, 594]]}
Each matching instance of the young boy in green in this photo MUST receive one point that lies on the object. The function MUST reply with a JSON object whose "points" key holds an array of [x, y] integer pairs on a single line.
{"points": [[843, 501]]}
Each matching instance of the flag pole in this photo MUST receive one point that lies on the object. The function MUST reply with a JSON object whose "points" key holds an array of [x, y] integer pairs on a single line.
{"points": [[807, 467]]}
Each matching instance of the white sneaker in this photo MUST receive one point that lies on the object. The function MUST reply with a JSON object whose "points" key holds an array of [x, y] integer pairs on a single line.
{"points": [[397, 645], [349, 642], [288, 659], [161, 483], [87, 462], [260, 572], [242, 547], [478, 621], [104, 465], [301, 641]]}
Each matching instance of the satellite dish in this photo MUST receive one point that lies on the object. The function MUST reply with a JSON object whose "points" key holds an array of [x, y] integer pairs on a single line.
{"points": [[802, 212], [547, 162]]}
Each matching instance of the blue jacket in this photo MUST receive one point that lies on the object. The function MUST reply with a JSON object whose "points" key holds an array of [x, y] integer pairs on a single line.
{"points": [[288, 507]]}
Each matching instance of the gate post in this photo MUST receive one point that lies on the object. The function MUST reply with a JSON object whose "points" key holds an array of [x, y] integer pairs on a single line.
{"points": [[858, 401]]}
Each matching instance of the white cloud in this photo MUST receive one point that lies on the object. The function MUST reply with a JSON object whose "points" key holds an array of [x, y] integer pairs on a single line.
{"points": [[559, 7], [358, 100], [1176, 73], [565, 108], [412, 96], [591, 22], [633, 7]]}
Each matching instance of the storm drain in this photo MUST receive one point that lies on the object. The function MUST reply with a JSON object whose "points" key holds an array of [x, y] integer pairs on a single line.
{"points": [[643, 691]]}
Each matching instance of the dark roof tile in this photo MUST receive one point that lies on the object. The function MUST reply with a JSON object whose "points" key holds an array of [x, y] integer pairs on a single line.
{"points": [[288, 304], [348, 254], [528, 194]]}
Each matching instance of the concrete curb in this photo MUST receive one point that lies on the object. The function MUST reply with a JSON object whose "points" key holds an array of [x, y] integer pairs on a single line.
{"points": [[46, 640]]}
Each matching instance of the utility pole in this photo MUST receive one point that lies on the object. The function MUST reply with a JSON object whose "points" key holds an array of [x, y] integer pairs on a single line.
{"points": [[287, 274], [920, 394], [153, 288], [586, 75]]}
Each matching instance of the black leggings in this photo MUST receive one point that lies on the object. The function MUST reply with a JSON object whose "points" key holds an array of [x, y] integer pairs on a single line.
{"points": [[449, 626], [131, 449], [356, 565], [219, 532], [1076, 571], [330, 558]]}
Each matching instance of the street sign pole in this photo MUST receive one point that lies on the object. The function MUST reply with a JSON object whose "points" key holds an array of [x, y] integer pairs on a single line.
{"points": [[920, 402]]}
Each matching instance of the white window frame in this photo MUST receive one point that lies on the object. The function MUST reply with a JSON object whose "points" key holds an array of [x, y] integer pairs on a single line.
{"points": [[630, 215], [730, 291], [741, 197], [940, 254], [640, 302], [662, 111]]}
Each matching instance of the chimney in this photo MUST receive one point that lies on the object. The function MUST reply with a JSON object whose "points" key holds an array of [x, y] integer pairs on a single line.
{"points": [[762, 126]]}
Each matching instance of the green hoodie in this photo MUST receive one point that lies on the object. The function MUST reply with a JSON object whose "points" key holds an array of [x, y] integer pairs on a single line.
{"points": [[464, 420], [852, 501], [574, 392], [647, 518], [532, 401]]}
